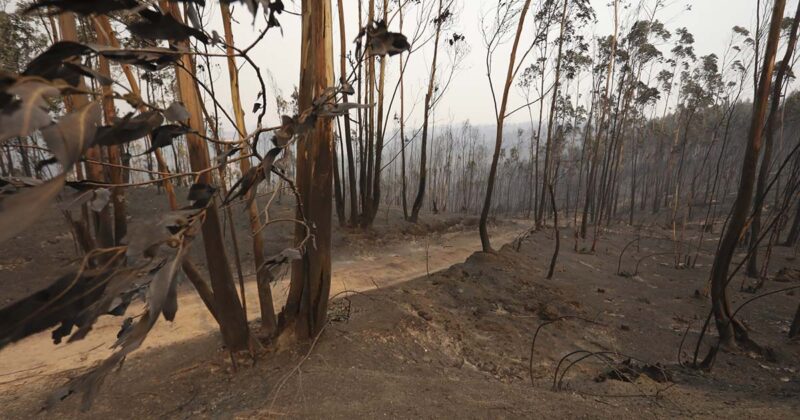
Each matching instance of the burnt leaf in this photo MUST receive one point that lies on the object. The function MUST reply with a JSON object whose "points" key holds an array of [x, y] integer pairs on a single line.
{"points": [[28, 110], [201, 195], [89, 72], [340, 109], [84, 185], [158, 295], [253, 177], [193, 15], [292, 126], [156, 26], [162, 136], [275, 8], [67, 139], [348, 89], [223, 159], [82, 7], [73, 134], [176, 112], [45, 162], [51, 64], [59, 303], [382, 42], [250, 179], [285, 256], [150, 59], [129, 128], [170, 307]]}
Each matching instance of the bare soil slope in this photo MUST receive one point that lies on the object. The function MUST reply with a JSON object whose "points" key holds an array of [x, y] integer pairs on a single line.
{"points": [[457, 343]]}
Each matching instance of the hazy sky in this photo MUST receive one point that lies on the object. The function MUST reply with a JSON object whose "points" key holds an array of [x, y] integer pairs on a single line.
{"points": [[468, 96]]}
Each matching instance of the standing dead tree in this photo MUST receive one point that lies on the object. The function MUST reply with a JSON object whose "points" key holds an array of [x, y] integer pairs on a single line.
{"points": [[504, 19], [442, 15], [263, 277], [728, 328], [772, 121]]}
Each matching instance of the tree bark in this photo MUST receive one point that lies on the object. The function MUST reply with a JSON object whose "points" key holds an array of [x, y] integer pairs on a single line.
{"points": [[766, 160], [402, 128], [551, 118], [498, 142], [347, 137], [233, 321], [423, 155], [306, 307], [741, 207], [794, 231], [109, 111], [263, 276]]}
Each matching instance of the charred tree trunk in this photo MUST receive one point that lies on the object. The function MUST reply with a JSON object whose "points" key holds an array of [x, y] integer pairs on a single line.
{"points": [[233, 322], [766, 160], [498, 142], [117, 194], [794, 231], [306, 306], [548, 146], [742, 205], [263, 276], [423, 159], [403, 130], [347, 137], [556, 233]]}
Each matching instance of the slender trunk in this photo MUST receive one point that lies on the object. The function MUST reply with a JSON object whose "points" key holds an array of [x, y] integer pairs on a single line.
{"points": [[742, 205], [551, 118], [766, 160], [379, 133], [498, 142], [794, 231], [402, 128], [794, 330], [263, 277], [117, 194], [338, 198], [423, 164], [347, 137], [226, 302], [556, 234]]}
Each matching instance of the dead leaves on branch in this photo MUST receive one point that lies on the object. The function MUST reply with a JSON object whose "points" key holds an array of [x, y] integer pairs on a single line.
{"points": [[82, 7], [23, 106], [68, 139], [381, 42], [272, 8], [78, 298], [291, 128], [62, 60], [129, 128], [154, 25]]}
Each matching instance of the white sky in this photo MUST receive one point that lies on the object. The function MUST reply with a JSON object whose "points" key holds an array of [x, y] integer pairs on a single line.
{"points": [[468, 98]]}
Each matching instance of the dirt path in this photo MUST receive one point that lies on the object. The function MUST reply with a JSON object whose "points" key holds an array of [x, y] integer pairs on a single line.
{"points": [[356, 268]]}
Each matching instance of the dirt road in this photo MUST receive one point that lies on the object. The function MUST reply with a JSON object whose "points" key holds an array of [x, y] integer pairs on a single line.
{"points": [[359, 266]]}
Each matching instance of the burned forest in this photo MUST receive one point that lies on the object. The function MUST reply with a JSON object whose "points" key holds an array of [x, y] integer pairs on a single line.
{"points": [[399, 208]]}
